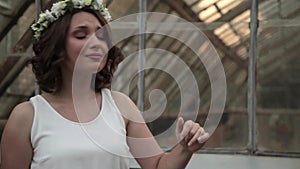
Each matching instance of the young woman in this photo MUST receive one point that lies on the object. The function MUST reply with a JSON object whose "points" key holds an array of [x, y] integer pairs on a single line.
{"points": [[52, 130]]}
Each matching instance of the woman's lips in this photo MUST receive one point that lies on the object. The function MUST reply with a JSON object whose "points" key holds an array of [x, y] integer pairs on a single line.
{"points": [[94, 56]]}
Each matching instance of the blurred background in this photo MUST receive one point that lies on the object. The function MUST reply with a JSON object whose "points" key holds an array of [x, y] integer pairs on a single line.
{"points": [[274, 119]]}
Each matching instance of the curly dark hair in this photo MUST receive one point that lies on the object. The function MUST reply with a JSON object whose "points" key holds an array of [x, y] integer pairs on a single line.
{"points": [[50, 52]]}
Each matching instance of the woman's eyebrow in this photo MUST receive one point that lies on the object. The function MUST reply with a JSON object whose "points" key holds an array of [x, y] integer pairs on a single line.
{"points": [[81, 27], [85, 27]]}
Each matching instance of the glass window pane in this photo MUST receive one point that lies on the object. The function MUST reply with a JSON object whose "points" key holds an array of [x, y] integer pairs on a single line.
{"points": [[122, 8], [231, 40], [12, 62], [278, 80]]}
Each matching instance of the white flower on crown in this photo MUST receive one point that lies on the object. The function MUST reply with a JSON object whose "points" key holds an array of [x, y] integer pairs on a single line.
{"points": [[60, 8], [106, 13], [87, 2], [42, 17], [78, 4], [99, 2], [49, 15]]}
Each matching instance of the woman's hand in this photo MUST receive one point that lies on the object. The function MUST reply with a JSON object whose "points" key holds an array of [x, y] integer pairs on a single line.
{"points": [[191, 135]]}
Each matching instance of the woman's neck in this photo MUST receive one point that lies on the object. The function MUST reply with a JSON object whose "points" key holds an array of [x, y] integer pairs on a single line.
{"points": [[75, 86]]}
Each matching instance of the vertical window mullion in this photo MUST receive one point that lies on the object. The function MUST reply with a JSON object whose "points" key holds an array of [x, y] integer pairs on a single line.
{"points": [[252, 140], [38, 11], [141, 57]]}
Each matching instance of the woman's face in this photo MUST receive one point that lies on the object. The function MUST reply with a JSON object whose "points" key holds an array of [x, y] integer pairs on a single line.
{"points": [[83, 46]]}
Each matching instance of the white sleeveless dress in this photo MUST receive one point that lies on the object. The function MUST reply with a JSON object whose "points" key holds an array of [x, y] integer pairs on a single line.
{"points": [[59, 143]]}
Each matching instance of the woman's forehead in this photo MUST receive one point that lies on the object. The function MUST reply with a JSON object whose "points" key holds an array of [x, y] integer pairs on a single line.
{"points": [[84, 19]]}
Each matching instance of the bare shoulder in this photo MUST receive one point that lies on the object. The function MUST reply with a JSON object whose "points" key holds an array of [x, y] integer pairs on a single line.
{"points": [[23, 111], [16, 149], [127, 107], [119, 95], [21, 115], [123, 99]]}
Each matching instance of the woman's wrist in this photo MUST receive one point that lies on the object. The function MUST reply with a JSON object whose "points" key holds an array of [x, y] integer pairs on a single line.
{"points": [[184, 149]]}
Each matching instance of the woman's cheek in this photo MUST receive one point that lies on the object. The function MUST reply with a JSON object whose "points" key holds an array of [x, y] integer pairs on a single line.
{"points": [[102, 64]]}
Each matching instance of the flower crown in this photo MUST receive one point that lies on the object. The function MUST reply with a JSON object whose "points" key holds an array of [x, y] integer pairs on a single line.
{"points": [[60, 8]]}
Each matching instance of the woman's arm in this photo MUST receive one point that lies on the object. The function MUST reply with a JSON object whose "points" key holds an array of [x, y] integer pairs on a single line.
{"points": [[144, 147], [16, 149]]}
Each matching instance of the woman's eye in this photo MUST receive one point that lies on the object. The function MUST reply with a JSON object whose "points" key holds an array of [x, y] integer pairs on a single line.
{"points": [[80, 35]]}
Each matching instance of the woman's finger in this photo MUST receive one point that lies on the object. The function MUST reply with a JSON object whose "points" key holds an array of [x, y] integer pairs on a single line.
{"points": [[200, 131], [203, 138], [179, 127], [187, 126]]}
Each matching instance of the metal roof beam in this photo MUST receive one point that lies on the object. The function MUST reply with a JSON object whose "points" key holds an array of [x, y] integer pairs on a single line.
{"points": [[189, 15], [8, 23]]}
